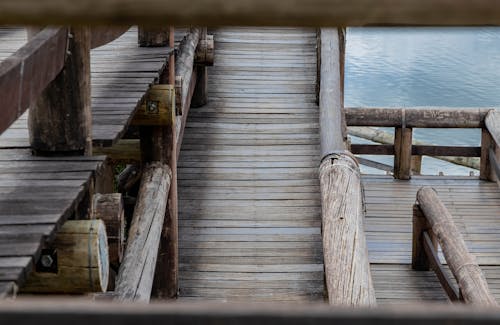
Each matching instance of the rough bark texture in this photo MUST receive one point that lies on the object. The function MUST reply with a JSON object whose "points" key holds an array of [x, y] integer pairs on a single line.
{"points": [[135, 278], [347, 270], [463, 265], [61, 120]]}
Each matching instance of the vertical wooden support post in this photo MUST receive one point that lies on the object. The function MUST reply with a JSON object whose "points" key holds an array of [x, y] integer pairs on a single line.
{"points": [[419, 260], [485, 172], [416, 165], [200, 95], [159, 144], [402, 153], [347, 269], [61, 120]]}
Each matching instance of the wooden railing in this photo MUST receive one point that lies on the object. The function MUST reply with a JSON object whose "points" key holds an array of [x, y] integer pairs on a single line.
{"points": [[404, 120], [433, 225]]}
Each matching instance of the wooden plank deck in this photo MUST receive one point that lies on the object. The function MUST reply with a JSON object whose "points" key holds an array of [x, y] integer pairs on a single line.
{"points": [[121, 73], [37, 194], [249, 205], [475, 207]]}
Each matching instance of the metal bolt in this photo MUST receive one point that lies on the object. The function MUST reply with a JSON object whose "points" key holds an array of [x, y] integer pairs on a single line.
{"points": [[46, 261]]}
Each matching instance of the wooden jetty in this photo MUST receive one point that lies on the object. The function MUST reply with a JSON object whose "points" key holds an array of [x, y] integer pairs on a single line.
{"points": [[213, 165]]}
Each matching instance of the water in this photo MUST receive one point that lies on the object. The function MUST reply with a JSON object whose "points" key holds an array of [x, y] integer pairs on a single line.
{"points": [[403, 67]]}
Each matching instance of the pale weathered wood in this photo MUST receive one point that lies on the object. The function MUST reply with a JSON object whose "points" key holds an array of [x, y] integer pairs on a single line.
{"points": [[492, 122], [402, 153], [331, 95], [184, 63], [253, 12], [463, 265], [347, 270], [109, 209], [61, 120], [135, 277], [417, 117], [82, 261], [381, 136]]}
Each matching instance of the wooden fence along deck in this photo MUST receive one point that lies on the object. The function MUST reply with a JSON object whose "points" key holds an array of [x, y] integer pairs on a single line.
{"points": [[248, 188]]}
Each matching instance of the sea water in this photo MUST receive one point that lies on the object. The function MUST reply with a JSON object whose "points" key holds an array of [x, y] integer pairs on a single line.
{"points": [[407, 67]]}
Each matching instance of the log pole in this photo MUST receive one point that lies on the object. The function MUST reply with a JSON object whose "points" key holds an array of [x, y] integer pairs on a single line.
{"points": [[80, 261], [136, 274], [61, 122], [463, 265], [347, 269], [402, 153]]}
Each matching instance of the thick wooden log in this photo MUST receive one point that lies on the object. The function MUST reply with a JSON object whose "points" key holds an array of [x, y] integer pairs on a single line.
{"points": [[492, 122], [101, 35], [402, 153], [253, 12], [60, 122], [135, 278], [80, 264], [381, 136], [109, 209], [26, 73], [417, 117], [463, 265], [347, 270], [184, 65], [331, 92], [153, 36]]}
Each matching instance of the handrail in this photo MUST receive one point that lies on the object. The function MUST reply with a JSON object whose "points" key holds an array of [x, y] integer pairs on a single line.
{"points": [[432, 225], [27, 72], [253, 12]]}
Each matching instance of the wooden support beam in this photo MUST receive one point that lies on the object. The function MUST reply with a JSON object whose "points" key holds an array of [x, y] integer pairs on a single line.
{"points": [[253, 12], [78, 263], [331, 92], [60, 122], [487, 143], [417, 117], [419, 260], [347, 270], [135, 278], [463, 265], [125, 151], [128, 178], [158, 103], [25, 74], [109, 209], [206, 57], [402, 153]]}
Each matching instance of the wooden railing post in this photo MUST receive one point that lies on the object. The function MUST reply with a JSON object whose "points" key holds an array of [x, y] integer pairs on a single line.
{"points": [[485, 172], [402, 152], [347, 269], [158, 143], [61, 122], [419, 260]]}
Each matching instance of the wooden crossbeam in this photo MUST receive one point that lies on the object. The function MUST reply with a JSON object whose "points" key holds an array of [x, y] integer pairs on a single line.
{"points": [[253, 12]]}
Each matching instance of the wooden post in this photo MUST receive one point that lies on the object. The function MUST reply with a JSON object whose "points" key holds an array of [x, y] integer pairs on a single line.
{"points": [[135, 278], [416, 165], [487, 142], [402, 153], [419, 260], [159, 144], [79, 263], [331, 95], [463, 265], [109, 209], [347, 270], [61, 120]]}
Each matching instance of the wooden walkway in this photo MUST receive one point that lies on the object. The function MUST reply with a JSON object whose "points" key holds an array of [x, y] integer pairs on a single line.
{"points": [[475, 207], [37, 194], [248, 186]]}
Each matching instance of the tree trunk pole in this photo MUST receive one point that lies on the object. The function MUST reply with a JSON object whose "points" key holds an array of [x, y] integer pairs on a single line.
{"points": [[463, 265]]}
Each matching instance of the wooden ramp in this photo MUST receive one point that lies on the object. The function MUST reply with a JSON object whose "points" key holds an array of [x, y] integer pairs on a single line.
{"points": [[475, 207], [248, 186]]}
